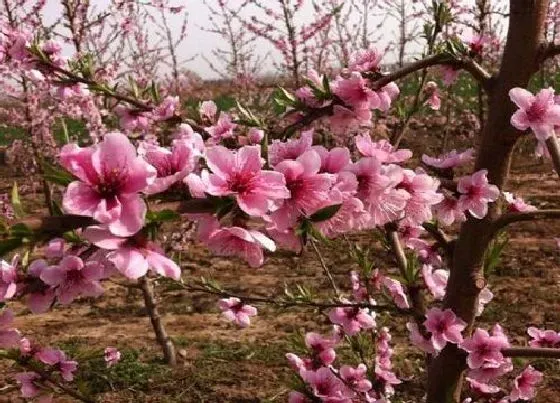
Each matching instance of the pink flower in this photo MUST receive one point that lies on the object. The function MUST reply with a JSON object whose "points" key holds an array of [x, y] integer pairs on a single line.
{"points": [[110, 176], [352, 319], [382, 150], [133, 256], [396, 291], [309, 190], [356, 378], [297, 397], [344, 120], [482, 387], [291, 149], [327, 386], [417, 339], [517, 204], [72, 279], [130, 119], [476, 193], [433, 100], [334, 160], [484, 348], [423, 191], [239, 174], [112, 356], [490, 371], [484, 299], [450, 160], [476, 42], [450, 74], [171, 166], [543, 338], [351, 215], [538, 112], [58, 357], [9, 336], [377, 189], [365, 60], [42, 297], [167, 108], [321, 347], [387, 95], [449, 210], [208, 109], [524, 385], [223, 129], [237, 312], [246, 244], [354, 92], [445, 327], [8, 278], [436, 280], [255, 135], [55, 248], [27, 382]]}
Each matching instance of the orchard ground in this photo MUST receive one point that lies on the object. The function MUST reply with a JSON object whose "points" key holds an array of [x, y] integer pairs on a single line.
{"points": [[220, 363]]}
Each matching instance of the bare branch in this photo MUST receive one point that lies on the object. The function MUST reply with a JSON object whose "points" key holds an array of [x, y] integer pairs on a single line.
{"points": [[532, 352]]}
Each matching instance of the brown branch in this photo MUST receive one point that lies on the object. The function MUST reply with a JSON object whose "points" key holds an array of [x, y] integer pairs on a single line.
{"points": [[441, 237], [510, 218], [58, 225], [159, 329], [467, 64], [532, 352], [554, 151], [548, 51], [287, 304]]}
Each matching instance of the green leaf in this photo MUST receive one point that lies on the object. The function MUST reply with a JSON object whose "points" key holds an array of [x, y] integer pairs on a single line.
{"points": [[65, 135], [16, 202], [325, 213], [57, 174], [9, 244], [225, 103], [162, 216], [20, 230]]}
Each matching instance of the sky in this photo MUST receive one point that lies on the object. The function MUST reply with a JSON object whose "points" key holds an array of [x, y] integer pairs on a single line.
{"points": [[200, 42]]}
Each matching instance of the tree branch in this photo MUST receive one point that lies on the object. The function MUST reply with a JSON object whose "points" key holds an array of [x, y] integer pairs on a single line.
{"points": [[532, 352], [554, 151], [510, 218], [441, 237], [548, 51], [287, 304], [467, 64]]}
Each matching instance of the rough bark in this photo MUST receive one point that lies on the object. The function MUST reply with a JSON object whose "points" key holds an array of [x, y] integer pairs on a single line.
{"points": [[525, 34]]}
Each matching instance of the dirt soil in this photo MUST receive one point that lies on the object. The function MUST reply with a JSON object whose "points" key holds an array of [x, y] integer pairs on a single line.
{"points": [[219, 363]]}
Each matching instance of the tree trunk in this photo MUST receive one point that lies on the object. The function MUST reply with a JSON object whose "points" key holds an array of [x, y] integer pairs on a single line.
{"points": [[525, 34]]}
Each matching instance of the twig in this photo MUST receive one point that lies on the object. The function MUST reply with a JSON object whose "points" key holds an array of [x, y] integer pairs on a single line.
{"points": [[325, 267], [287, 304]]}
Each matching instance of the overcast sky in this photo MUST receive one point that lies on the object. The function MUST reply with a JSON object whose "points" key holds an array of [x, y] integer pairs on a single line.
{"points": [[200, 42]]}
